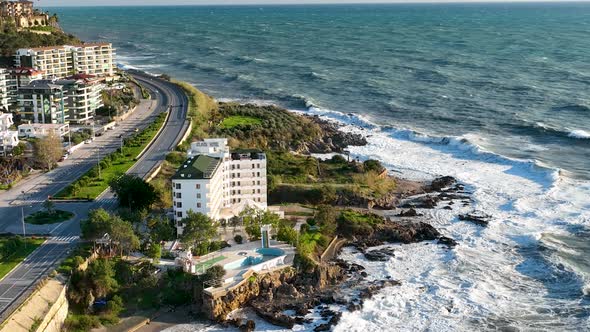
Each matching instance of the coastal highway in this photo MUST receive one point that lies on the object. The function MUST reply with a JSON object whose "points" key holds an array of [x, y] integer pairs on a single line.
{"points": [[20, 282]]}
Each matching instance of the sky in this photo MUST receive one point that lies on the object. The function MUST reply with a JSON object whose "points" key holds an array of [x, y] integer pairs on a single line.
{"points": [[50, 3]]}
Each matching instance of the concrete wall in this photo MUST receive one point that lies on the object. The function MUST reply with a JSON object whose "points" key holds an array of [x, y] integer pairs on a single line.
{"points": [[46, 308], [56, 316]]}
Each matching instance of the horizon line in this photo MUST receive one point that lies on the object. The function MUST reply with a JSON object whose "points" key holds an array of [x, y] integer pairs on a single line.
{"points": [[299, 3]]}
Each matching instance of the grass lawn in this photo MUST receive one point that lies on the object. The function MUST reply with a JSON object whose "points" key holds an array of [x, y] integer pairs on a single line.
{"points": [[44, 218], [239, 120], [18, 252], [90, 185]]}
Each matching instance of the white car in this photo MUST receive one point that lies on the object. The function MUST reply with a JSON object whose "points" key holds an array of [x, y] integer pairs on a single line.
{"points": [[88, 141]]}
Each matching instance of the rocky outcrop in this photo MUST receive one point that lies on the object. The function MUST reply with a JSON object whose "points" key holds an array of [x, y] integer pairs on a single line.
{"points": [[333, 139], [380, 255], [476, 217], [217, 308], [406, 232]]}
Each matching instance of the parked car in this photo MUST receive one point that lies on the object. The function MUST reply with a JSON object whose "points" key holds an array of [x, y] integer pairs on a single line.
{"points": [[88, 141], [64, 157]]}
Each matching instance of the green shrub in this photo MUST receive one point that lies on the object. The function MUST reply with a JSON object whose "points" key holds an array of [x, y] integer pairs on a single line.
{"points": [[238, 238]]}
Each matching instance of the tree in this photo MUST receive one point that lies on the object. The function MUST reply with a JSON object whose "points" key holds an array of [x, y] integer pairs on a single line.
{"points": [[47, 151], [286, 233], [161, 229], [49, 206], [97, 224], [101, 273], [198, 228], [154, 252], [214, 276], [326, 218], [123, 236], [133, 192], [253, 219]]}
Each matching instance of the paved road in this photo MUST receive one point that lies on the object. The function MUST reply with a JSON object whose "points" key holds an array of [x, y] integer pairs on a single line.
{"points": [[18, 284]]}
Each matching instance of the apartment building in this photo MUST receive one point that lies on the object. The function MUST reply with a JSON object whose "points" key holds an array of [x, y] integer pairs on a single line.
{"points": [[218, 182], [6, 121], [83, 97], [53, 61], [16, 78], [16, 8], [61, 61], [8, 138], [94, 59], [43, 101], [4, 101], [8, 141]]}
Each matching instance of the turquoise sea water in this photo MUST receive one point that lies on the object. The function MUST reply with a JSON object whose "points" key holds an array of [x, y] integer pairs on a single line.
{"points": [[483, 92], [516, 77]]}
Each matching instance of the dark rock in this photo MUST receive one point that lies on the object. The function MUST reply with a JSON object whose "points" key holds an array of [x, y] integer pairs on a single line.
{"points": [[411, 232], [476, 217], [439, 184], [380, 255], [364, 274], [322, 327], [447, 241], [409, 213], [447, 208], [352, 307]]}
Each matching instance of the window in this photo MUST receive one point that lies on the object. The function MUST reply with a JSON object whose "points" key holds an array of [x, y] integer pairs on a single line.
{"points": [[233, 166], [179, 214], [258, 166], [238, 166], [253, 165], [178, 195], [258, 182], [258, 173], [179, 204], [259, 191], [253, 174], [239, 192], [198, 195], [239, 183], [199, 205], [198, 186], [178, 186], [238, 174]]}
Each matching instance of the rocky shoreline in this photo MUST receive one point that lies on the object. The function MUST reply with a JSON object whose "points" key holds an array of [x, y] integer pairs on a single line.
{"points": [[284, 298]]}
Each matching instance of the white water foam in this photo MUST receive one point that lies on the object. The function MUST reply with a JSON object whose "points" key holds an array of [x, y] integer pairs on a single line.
{"points": [[580, 134], [496, 277]]}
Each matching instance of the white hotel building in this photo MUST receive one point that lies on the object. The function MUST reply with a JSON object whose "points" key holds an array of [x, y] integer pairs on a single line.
{"points": [[219, 183]]}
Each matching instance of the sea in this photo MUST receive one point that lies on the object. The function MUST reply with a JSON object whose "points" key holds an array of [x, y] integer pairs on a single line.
{"points": [[496, 95]]}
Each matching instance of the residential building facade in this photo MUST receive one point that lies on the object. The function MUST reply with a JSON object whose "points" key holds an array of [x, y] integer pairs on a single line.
{"points": [[8, 140], [6, 121], [61, 61], [16, 8], [16, 78], [83, 97], [43, 101], [53, 61], [8, 137], [38, 130], [94, 59], [219, 183], [4, 101]]}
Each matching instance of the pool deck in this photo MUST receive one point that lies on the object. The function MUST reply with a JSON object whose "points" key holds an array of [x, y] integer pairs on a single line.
{"points": [[232, 254]]}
